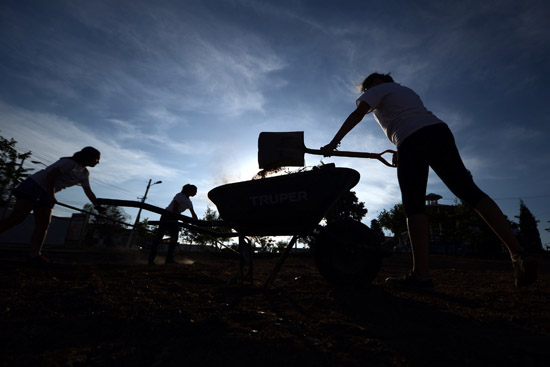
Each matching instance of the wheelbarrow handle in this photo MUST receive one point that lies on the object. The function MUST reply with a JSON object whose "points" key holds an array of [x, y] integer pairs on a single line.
{"points": [[340, 153]]}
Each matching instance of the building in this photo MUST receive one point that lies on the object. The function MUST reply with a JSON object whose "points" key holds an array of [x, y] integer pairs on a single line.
{"points": [[21, 234]]}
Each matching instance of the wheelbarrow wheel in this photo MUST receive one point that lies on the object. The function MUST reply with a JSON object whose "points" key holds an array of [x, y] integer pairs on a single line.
{"points": [[348, 252]]}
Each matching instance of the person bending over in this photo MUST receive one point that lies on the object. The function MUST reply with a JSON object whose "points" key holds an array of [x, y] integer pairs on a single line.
{"points": [[37, 193], [424, 141], [168, 223]]}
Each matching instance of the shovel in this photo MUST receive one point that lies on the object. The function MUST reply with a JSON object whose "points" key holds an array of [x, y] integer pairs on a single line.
{"points": [[283, 149]]}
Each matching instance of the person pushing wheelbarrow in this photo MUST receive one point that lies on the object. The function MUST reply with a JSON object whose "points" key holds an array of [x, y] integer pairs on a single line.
{"points": [[424, 141]]}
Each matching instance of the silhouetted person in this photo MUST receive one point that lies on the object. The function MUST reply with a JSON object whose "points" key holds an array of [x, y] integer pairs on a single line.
{"points": [[37, 193], [168, 223], [424, 141]]}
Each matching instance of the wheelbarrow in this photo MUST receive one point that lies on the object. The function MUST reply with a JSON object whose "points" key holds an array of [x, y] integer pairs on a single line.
{"points": [[345, 251]]}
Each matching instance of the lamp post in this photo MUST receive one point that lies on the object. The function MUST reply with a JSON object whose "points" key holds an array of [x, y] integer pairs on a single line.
{"points": [[131, 237]]}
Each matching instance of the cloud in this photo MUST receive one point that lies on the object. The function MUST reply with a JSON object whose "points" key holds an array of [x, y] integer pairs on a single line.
{"points": [[164, 138], [230, 75], [193, 62], [183, 62], [519, 133], [52, 137]]}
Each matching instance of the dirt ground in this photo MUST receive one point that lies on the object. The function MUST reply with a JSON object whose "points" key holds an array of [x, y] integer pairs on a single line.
{"points": [[108, 308]]}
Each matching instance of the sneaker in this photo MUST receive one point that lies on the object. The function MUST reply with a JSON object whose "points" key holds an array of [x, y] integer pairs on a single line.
{"points": [[37, 260], [525, 270], [411, 281]]}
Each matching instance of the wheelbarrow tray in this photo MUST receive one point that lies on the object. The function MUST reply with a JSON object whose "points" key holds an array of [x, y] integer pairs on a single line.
{"points": [[285, 205]]}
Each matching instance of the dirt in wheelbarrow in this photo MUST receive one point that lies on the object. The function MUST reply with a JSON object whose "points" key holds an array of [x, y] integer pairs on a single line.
{"points": [[108, 308]]}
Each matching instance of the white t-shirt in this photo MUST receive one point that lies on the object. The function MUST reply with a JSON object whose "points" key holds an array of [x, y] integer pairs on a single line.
{"points": [[72, 174], [179, 204], [398, 110]]}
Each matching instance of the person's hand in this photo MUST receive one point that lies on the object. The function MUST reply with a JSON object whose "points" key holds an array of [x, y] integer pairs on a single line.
{"points": [[329, 148]]}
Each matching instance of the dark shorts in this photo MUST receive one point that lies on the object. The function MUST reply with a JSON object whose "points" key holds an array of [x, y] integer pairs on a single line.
{"points": [[168, 224], [433, 146], [30, 190]]}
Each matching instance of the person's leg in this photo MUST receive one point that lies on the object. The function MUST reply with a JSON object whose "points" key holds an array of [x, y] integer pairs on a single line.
{"points": [[174, 233], [493, 216], [154, 247], [21, 210], [525, 267], [450, 168], [42, 219], [170, 253], [412, 173], [419, 278], [419, 236]]}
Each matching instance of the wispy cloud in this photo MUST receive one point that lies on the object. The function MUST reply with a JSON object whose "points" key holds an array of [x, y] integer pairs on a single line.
{"points": [[207, 65], [54, 137]]}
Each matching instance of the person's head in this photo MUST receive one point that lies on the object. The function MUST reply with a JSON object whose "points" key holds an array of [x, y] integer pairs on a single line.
{"points": [[88, 156], [189, 190], [375, 79]]}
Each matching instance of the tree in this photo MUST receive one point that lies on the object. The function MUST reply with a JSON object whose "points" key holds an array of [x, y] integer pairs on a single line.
{"points": [[377, 229], [206, 239], [280, 246], [267, 244], [107, 225], [144, 229], [11, 169], [457, 224], [348, 207], [529, 236], [468, 227], [393, 220]]}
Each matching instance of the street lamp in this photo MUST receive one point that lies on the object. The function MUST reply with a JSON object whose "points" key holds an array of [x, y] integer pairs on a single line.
{"points": [[131, 237]]}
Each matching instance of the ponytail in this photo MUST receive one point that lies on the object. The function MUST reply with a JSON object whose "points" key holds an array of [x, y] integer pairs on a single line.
{"points": [[85, 155], [367, 83]]}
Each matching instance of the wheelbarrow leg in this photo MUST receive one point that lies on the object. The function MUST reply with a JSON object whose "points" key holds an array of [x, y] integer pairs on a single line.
{"points": [[245, 255], [280, 262]]}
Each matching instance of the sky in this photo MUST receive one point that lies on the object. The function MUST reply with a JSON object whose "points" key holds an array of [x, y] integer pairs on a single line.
{"points": [[179, 90]]}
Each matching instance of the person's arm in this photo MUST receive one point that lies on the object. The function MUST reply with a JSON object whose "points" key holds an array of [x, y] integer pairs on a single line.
{"points": [[193, 213], [90, 194], [353, 119], [187, 206]]}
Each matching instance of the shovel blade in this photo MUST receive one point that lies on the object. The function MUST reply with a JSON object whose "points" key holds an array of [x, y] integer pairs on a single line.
{"points": [[281, 149]]}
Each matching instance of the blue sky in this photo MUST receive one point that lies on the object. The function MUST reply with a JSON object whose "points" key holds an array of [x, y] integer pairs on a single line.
{"points": [[179, 91]]}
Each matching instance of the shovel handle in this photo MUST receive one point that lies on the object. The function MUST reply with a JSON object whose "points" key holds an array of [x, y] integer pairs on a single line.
{"points": [[393, 158], [378, 156]]}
